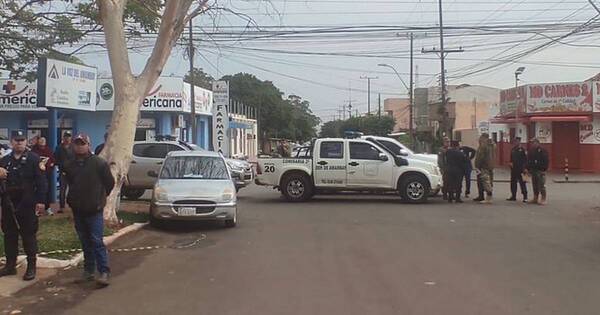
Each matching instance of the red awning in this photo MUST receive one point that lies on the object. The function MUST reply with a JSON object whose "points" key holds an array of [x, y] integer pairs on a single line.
{"points": [[561, 118]]}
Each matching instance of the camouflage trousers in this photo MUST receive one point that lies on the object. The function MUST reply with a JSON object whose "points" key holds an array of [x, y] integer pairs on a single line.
{"points": [[486, 178], [538, 181]]}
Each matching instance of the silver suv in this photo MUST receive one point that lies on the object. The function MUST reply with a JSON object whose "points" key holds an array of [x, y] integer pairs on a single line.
{"points": [[148, 156]]}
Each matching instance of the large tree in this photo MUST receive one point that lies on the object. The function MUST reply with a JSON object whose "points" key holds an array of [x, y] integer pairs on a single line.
{"points": [[369, 125]]}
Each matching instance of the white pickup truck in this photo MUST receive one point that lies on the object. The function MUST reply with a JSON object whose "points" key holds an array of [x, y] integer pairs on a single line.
{"points": [[349, 165]]}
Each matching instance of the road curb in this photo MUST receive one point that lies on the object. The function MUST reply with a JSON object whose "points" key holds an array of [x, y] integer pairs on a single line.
{"points": [[11, 285]]}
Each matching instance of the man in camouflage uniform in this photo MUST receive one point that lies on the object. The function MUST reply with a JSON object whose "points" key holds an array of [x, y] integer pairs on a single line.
{"points": [[485, 166], [443, 165]]}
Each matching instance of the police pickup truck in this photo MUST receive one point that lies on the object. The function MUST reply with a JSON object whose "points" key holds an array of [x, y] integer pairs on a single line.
{"points": [[336, 164]]}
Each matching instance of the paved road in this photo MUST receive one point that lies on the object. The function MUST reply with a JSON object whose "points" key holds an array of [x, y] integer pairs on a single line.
{"points": [[359, 255]]}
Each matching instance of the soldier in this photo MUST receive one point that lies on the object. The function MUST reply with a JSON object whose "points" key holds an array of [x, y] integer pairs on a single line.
{"points": [[537, 165], [518, 161], [455, 169], [23, 197], [442, 165], [485, 168]]}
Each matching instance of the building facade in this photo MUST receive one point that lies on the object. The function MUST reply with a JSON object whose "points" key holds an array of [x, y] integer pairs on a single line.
{"points": [[565, 117], [399, 108]]}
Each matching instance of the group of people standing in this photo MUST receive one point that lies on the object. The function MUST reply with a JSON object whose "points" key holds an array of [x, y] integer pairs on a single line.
{"points": [[456, 164], [85, 182]]}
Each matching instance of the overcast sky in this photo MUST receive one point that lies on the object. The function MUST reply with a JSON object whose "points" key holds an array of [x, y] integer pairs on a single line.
{"points": [[326, 80]]}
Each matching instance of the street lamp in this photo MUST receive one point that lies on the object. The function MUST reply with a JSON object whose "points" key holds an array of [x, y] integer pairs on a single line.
{"points": [[410, 106], [518, 72]]}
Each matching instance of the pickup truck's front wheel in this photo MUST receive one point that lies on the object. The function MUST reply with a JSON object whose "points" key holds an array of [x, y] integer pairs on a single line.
{"points": [[414, 189], [297, 188]]}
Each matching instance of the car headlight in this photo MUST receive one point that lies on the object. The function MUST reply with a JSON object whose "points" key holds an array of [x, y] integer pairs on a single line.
{"points": [[160, 194], [228, 195]]}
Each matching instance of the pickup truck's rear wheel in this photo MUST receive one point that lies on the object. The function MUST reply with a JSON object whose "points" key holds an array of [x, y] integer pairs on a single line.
{"points": [[297, 188], [414, 189]]}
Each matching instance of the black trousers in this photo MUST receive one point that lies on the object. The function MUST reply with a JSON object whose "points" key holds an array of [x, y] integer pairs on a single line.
{"points": [[467, 177], [24, 223], [516, 176], [64, 186], [454, 187]]}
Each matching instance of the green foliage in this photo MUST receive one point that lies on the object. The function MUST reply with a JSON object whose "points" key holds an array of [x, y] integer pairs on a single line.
{"points": [[289, 118], [33, 29], [201, 79], [369, 125]]}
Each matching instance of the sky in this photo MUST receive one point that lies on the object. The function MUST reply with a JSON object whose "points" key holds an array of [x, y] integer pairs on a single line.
{"points": [[319, 50]]}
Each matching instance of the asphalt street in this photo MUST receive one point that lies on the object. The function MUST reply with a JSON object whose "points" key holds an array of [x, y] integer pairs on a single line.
{"points": [[357, 255]]}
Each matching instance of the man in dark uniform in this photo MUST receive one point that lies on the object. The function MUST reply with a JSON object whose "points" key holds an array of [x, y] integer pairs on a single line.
{"points": [[442, 165], [537, 165], [456, 164], [518, 162], [23, 197], [63, 154], [470, 154]]}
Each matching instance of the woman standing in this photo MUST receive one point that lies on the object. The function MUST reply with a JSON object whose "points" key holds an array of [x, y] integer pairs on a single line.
{"points": [[46, 165]]}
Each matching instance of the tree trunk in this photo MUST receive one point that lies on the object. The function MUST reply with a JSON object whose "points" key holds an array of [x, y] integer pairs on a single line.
{"points": [[129, 90]]}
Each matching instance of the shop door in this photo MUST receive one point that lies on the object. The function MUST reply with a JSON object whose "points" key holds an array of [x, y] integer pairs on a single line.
{"points": [[565, 144]]}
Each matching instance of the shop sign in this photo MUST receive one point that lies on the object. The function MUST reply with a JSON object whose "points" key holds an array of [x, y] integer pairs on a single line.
{"points": [[543, 131], [146, 123], [166, 96], [220, 117], [204, 99], [560, 97], [18, 95], [589, 132], [511, 99], [66, 85], [596, 97]]}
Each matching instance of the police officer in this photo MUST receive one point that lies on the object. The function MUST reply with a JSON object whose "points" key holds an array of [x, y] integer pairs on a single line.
{"points": [[455, 169], [23, 197], [518, 162]]}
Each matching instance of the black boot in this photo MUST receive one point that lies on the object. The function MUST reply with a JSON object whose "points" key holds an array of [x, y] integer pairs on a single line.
{"points": [[10, 269], [31, 269], [479, 198]]}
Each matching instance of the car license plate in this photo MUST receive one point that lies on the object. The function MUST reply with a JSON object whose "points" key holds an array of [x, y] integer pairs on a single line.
{"points": [[187, 211]]}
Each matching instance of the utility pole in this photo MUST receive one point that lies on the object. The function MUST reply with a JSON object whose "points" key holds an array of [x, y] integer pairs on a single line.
{"points": [[192, 95], [411, 130], [369, 91], [442, 54], [379, 107]]}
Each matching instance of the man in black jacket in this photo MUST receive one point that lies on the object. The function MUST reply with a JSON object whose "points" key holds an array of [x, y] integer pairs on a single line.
{"points": [[90, 182], [22, 192], [537, 165], [456, 164], [518, 162]]}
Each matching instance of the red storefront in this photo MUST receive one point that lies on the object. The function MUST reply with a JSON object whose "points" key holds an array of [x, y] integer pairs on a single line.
{"points": [[564, 116]]}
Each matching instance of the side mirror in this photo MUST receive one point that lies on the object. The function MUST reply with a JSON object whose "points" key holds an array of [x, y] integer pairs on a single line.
{"points": [[153, 174], [403, 153], [383, 157]]}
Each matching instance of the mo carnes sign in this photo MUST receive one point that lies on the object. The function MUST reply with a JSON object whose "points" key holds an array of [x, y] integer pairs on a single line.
{"points": [[560, 97], [220, 117]]}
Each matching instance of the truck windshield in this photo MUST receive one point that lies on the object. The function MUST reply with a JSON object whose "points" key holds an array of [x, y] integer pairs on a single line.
{"points": [[394, 147], [194, 167]]}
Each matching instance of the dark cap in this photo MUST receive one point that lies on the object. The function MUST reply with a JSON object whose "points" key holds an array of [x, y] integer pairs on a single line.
{"points": [[83, 138], [67, 134], [18, 135]]}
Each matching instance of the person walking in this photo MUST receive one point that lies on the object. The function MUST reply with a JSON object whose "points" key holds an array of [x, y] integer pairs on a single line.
{"points": [[485, 168], [442, 164], [469, 153], [90, 181], [456, 164], [47, 166], [62, 154], [537, 165], [518, 162], [23, 192]]}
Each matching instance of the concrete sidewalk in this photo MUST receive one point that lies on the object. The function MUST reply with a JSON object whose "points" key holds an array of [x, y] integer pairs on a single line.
{"points": [[502, 175]]}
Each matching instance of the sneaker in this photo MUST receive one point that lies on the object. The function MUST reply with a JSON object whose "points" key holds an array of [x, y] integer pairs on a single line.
{"points": [[525, 200], [103, 279], [488, 200], [478, 199]]}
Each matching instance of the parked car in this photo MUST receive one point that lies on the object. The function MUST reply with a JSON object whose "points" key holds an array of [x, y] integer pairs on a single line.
{"points": [[193, 185], [149, 156], [337, 164], [400, 149]]}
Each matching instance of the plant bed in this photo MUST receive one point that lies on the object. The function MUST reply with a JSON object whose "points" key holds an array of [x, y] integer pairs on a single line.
{"points": [[58, 233]]}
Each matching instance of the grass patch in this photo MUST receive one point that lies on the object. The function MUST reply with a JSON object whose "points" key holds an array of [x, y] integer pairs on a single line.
{"points": [[57, 233]]}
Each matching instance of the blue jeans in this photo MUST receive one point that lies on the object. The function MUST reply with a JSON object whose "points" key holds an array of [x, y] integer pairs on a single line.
{"points": [[90, 230]]}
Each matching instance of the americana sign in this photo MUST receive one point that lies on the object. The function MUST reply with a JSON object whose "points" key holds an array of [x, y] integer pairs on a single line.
{"points": [[18, 95]]}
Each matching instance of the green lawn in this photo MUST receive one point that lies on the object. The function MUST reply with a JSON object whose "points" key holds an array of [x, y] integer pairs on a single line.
{"points": [[59, 233]]}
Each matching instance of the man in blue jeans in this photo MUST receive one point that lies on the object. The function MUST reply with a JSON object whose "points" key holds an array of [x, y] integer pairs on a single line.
{"points": [[90, 181]]}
